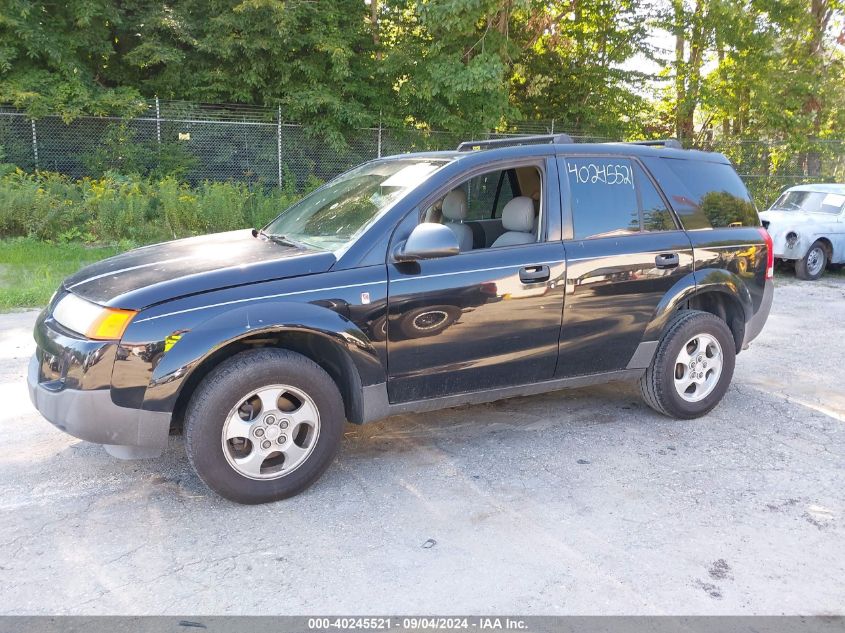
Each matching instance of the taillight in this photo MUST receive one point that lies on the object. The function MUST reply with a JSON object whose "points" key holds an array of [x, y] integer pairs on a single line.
{"points": [[770, 253]]}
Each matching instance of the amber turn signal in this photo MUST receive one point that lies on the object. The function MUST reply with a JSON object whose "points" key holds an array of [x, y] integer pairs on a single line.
{"points": [[110, 324]]}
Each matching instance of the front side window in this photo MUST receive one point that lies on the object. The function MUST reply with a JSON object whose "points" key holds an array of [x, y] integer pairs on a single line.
{"points": [[492, 209], [508, 190], [604, 197], [488, 193], [810, 202], [333, 216], [481, 195]]}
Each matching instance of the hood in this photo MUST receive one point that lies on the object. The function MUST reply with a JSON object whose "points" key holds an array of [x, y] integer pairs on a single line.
{"points": [[791, 219], [152, 274], [780, 217], [779, 221]]}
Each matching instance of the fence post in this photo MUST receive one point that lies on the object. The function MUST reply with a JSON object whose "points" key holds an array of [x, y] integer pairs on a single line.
{"points": [[34, 143], [379, 135], [553, 126], [158, 121], [279, 144]]}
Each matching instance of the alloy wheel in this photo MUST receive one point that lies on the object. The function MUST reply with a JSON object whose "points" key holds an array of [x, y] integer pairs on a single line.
{"points": [[271, 432], [698, 367]]}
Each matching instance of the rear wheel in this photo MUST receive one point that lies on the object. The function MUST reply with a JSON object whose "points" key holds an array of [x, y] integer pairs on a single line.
{"points": [[812, 265], [263, 425], [692, 368]]}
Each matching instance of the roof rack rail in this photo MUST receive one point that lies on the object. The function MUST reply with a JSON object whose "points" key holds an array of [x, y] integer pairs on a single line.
{"points": [[666, 142], [467, 146]]}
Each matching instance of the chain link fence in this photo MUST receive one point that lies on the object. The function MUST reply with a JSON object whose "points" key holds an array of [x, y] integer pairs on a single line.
{"points": [[255, 145]]}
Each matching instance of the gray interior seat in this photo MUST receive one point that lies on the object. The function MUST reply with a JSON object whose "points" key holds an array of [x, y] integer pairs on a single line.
{"points": [[518, 220], [454, 213]]}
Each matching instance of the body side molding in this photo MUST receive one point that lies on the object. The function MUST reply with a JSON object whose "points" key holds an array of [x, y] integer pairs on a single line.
{"points": [[377, 406]]}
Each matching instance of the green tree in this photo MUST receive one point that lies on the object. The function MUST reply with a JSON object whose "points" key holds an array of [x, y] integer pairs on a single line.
{"points": [[56, 57], [572, 65], [448, 62], [315, 59]]}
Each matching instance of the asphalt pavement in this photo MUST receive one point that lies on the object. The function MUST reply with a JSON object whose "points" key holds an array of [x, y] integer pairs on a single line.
{"points": [[578, 502]]}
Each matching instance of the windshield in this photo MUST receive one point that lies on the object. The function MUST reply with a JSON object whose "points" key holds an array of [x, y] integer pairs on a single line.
{"points": [[334, 215], [810, 202]]}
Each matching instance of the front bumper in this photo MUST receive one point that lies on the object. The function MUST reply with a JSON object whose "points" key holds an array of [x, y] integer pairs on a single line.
{"points": [[69, 384], [92, 416]]}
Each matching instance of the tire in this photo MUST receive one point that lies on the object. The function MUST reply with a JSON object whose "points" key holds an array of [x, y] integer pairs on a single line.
{"points": [[306, 425], [658, 383], [812, 265]]}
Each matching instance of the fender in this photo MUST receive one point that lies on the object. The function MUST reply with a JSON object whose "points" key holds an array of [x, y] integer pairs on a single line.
{"points": [[689, 286], [197, 345], [720, 280], [807, 236], [683, 289]]}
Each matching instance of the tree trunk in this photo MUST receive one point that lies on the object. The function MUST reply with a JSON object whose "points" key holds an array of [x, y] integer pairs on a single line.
{"points": [[688, 73], [374, 24], [679, 28], [696, 58], [820, 14]]}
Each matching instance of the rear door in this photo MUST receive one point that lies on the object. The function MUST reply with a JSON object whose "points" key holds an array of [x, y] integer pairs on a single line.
{"points": [[624, 252]]}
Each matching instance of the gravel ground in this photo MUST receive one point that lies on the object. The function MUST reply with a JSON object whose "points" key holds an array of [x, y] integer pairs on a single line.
{"points": [[579, 502]]}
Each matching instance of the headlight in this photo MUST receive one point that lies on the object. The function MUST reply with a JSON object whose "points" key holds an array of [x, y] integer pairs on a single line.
{"points": [[91, 320], [791, 238]]}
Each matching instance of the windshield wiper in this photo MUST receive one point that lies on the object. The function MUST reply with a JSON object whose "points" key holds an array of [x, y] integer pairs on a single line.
{"points": [[284, 240]]}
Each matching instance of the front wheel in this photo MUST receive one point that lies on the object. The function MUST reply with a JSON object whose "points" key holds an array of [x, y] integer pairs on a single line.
{"points": [[263, 425], [692, 368], [812, 265]]}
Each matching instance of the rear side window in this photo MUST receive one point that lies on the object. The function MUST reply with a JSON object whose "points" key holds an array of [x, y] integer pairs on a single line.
{"points": [[604, 198], [712, 194]]}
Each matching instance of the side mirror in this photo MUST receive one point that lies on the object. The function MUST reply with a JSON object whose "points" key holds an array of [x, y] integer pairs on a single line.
{"points": [[428, 241]]}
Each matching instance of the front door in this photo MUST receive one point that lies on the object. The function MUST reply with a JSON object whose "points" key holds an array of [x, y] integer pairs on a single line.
{"points": [[625, 253], [485, 318]]}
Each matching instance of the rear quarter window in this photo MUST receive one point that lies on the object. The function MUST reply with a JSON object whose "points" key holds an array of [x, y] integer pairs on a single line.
{"points": [[704, 194]]}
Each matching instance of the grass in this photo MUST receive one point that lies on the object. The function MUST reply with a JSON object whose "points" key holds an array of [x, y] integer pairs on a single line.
{"points": [[31, 270]]}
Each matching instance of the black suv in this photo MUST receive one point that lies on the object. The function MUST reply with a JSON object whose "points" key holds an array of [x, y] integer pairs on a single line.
{"points": [[412, 283]]}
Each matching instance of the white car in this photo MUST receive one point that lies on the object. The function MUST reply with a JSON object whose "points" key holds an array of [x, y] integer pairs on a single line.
{"points": [[807, 225]]}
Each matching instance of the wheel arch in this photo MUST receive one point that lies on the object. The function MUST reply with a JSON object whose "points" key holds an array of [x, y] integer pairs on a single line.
{"points": [[828, 246], [726, 306], [720, 292], [325, 337]]}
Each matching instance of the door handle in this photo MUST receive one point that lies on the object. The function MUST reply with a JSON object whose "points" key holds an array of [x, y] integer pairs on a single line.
{"points": [[667, 260], [533, 274]]}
